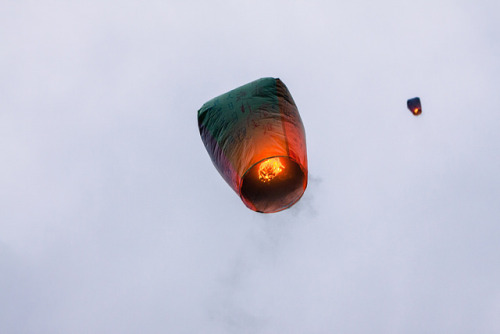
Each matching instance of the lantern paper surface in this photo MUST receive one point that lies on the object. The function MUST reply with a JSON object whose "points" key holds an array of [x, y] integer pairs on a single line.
{"points": [[256, 140]]}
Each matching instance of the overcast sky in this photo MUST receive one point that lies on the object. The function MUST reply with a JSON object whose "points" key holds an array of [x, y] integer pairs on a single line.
{"points": [[114, 220]]}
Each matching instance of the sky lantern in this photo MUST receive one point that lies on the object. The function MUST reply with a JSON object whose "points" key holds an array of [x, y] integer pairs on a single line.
{"points": [[414, 106], [256, 140]]}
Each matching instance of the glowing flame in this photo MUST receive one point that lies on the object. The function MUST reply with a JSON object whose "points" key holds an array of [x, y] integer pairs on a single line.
{"points": [[415, 111], [269, 169]]}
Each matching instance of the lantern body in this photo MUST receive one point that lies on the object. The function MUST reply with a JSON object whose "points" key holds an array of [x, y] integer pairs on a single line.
{"points": [[256, 140], [415, 106]]}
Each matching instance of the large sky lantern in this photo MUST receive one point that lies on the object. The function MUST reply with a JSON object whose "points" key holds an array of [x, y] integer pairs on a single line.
{"points": [[256, 140]]}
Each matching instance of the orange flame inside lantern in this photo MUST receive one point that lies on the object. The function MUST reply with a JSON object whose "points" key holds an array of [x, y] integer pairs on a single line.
{"points": [[269, 169]]}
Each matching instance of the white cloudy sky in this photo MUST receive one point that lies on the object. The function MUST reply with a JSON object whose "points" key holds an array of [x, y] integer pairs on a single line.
{"points": [[113, 219]]}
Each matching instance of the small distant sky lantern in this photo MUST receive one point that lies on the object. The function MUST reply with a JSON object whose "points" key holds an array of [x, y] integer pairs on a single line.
{"points": [[414, 106], [256, 140]]}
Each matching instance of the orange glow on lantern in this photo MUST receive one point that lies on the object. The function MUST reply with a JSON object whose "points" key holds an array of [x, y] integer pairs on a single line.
{"points": [[269, 169]]}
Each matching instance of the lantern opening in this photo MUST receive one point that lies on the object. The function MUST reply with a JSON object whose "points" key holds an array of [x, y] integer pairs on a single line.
{"points": [[273, 184]]}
